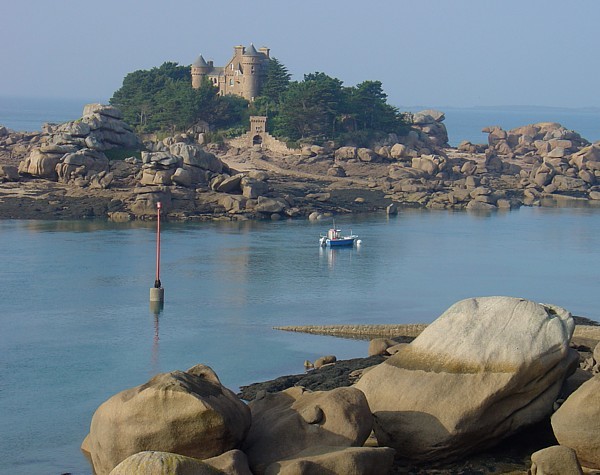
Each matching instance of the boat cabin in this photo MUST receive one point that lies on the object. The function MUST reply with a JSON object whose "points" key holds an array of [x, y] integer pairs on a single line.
{"points": [[334, 234]]}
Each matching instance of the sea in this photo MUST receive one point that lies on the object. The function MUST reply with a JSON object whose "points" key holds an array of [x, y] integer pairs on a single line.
{"points": [[76, 325]]}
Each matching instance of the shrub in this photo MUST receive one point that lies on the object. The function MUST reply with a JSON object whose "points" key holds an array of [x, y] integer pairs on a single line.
{"points": [[122, 153]]}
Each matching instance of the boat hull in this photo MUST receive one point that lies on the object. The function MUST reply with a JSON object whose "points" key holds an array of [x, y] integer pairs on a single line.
{"points": [[340, 242]]}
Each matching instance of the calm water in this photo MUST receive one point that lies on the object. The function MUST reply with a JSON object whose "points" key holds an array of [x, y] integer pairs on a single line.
{"points": [[28, 114], [76, 326], [466, 124], [462, 123]]}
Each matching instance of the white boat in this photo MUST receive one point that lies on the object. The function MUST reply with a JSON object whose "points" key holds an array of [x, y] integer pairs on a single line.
{"points": [[334, 238]]}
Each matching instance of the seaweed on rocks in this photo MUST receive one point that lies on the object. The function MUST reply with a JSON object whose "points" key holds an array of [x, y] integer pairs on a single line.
{"points": [[325, 378]]}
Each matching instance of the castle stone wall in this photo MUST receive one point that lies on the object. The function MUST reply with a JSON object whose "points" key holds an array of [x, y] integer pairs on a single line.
{"points": [[268, 143]]}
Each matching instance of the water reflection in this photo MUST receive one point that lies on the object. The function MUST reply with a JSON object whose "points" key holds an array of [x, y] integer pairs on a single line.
{"points": [[559, 201], [156, 308], [83, 226], [335, 256]]}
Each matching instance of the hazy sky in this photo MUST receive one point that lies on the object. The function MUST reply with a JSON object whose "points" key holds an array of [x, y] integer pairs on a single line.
{"points": [[436, 52]]}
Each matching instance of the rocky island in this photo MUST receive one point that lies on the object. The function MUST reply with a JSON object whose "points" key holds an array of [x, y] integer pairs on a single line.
{"points": [[97, 167]]}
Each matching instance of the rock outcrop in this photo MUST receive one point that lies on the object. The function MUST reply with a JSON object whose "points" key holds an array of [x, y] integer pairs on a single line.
{"points": [[429, 124], [484, 369], [208, 179], [162, 463], [101, 127], [576, 423], [336, 461], [233, 462], [73, 151], [533, 165], [188, 413], [544, 139], [555, 460], [288, 422]]}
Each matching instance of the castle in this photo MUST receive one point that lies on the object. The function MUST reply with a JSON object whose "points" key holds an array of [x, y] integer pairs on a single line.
{"points": [[243, 75]]}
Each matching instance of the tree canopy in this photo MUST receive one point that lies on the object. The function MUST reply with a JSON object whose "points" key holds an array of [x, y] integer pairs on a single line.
{"points": [[277, 81], [321, 107], [317, 108], [163, 99]]}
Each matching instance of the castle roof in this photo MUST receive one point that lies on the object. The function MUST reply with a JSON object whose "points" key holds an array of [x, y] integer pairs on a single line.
{"points": [[251, 51], [200, 63]]}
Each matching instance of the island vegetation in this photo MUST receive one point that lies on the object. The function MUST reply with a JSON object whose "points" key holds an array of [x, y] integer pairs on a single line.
{"points": [[317, 109]]}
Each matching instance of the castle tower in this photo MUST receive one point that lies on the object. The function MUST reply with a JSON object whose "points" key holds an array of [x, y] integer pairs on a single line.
{"points": [[200, 69], [252, 67], [264, 50]]}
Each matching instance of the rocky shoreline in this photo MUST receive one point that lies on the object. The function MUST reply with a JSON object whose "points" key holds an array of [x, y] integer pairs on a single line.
{"points": [[93, 168], [536, 368], [456, 397], [511, 456]]}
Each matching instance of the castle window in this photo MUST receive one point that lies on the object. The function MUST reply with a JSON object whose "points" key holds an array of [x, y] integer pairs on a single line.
{"points": [[231, 82]]}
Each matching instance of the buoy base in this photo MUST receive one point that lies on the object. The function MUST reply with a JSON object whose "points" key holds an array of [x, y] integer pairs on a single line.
{"points": [[157, 294], [156, 307]]}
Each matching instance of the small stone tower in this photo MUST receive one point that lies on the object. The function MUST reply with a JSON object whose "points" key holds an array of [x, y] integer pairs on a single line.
{"points": [[251, 64], [200, 69], [258, 129]]}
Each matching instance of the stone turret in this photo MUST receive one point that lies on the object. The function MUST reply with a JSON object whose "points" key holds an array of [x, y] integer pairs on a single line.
{"points": [[251, 64], [200, 68]]}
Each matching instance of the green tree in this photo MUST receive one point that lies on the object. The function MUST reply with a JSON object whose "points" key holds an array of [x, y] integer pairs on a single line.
{"points": [[163, 99], [139, 98], [310, 108], [319, 107], [227, 111], [277, 81], [369, 109]]}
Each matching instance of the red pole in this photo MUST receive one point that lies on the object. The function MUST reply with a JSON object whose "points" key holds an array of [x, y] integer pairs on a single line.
{"points": [[157, 283]]}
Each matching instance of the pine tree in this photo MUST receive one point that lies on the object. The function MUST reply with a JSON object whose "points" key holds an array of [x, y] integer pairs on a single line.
{"points": [[277, 81]]}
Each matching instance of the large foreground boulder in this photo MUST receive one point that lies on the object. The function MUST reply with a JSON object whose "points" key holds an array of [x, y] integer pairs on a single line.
{"points": [[290, 421], [555, 460], [484, 369], [151, 462], [188, 413], [576, 424], [336, 461], [162, 463]]}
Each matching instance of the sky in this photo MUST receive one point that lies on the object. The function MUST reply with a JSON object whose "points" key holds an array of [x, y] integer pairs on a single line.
{"points": [[453, 53]]}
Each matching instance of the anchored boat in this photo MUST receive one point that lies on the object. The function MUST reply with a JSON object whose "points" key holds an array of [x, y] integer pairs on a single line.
{"points": [[334, 238]]}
